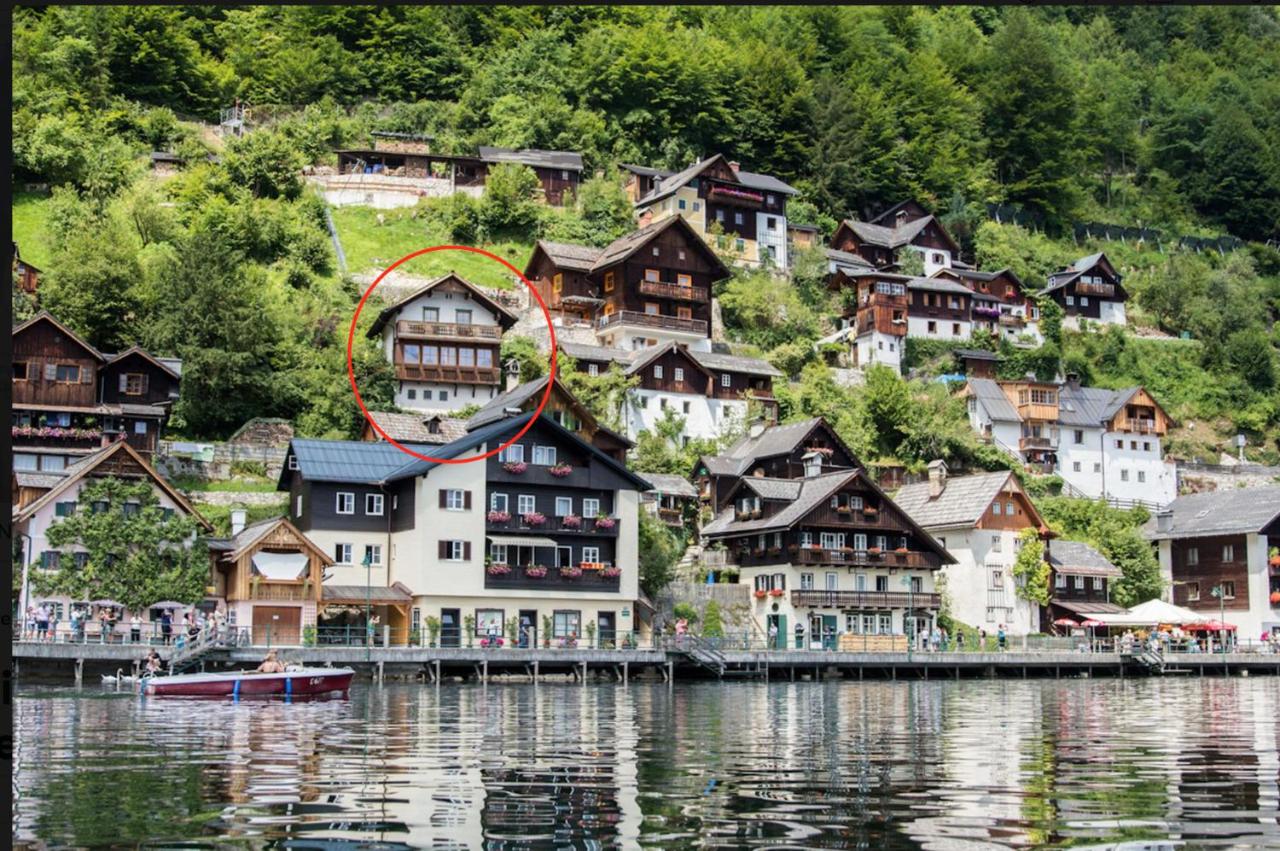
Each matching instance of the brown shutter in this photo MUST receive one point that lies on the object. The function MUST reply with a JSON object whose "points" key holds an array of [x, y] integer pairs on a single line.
{"points": [[443, 550], [124, 382], [146, 382], [466, 500], [444, 498], [466, 551]]}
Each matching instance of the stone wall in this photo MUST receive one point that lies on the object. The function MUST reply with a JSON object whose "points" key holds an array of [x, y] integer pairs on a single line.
{"points": [[1199, 478], [734, 601]]}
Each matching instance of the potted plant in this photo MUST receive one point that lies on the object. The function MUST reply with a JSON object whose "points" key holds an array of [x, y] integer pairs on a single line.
{"points": [[870, 511], [791, 548], [560, 470], [591, 633], [611, 572], [773, 551], [776, 592], [515, 468], [535, 571], [604, 521], [1274, 559], [513, 630], [498, 517], [901, 551], [873, 551], [433, 629], [415, 636], [309, 635], [533, 518], [761, 594], [498, 569], [1275, 598], [844, 509], [546, 630], [570, 572], [469, 624], [759, 551], [571, 521]]}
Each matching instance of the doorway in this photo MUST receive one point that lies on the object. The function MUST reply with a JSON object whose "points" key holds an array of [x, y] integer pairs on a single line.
{"points": [[450, 627], [529, 628], [780, 635], [606, 631], [274, 625]]}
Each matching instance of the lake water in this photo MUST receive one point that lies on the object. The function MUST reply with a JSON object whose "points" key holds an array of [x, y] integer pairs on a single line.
{"points": [[937, 765]]}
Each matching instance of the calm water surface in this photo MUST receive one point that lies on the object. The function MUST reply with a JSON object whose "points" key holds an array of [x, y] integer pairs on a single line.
{"points": [[937, 765]]}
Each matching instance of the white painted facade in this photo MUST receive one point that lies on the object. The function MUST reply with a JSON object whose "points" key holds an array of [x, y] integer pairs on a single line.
{"points": [[934, 258], [1116, 465], [771, 239], [385, 192], [632, 338], [704, 417], [874, 347], [981, 586], [938, 329]]}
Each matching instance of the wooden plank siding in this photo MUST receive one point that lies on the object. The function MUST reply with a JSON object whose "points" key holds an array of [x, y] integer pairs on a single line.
{"points": [[1210, 570]]}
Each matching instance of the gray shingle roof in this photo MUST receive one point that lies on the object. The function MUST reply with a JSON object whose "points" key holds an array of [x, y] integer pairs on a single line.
{"points": [[845, 258], [532, 157], [812, 492], [412, 428], [992, 398], [44, 481], [672, 485], [1076, 558], [504, 316], [774, 488], [513, 398], [765, 182], [568, 255], [939, 285], [775, 440], [582, 351], [1090, 406], [887, 237], [671, 182], [1229, 512], [735, 363], [961, 503]]}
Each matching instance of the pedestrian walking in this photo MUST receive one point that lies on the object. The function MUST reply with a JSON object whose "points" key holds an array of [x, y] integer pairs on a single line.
{"points": [[773, 634], [960, 641], [799, 635], [1001, 638], [166, 626], [135, 629], [982, 640]]}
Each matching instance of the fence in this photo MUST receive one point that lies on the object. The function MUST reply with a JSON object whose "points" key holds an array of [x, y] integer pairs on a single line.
{"points": [[1086, 231]]}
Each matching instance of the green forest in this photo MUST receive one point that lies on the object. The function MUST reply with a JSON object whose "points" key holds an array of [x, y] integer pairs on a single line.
{"points": [[1164, 118]]}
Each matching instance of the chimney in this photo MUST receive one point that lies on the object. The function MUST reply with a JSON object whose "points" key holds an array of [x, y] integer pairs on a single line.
{"points": [[756, 428], [238, 516], [1164, 520], [900, 219], [513, 375], [735, 166], [1073, 380], [937, 478]]}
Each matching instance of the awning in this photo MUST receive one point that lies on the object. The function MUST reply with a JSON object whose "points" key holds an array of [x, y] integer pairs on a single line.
{"points": [[280, 565], [1088, 609], [1088, 570], [357, 594], [520, 541]]}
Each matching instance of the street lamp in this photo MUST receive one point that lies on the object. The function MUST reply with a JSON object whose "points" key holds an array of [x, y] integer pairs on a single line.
{"points": [[1222, 619], [368, 605], [26, 592], [908, 623]]}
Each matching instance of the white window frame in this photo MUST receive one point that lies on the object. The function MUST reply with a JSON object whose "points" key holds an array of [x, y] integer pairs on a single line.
{"points": [[726, 380], [532, 502], [1228, 552], [455, 499], [1193, 556], [590, 507], [513, 453], [545, 453], [678, 375], [348, 498], [564, 506], [657, 370], [498, 502], [374, 552], [457, 551], [347, 549], [374, 504], [591, 555]]}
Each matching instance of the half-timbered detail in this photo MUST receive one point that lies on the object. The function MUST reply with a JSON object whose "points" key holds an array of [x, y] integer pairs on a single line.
{"points": [[1001, 304], [651, 286], [906, 225], [444, 341], [1081, 581], [1220, 554], [745, 212], [543, 532], [832, 553], [1089, 289], [1104, 443], [70, 399], [979, 520], [712, 392]]}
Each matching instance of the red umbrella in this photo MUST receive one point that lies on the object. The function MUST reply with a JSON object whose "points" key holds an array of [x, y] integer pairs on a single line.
{"points": [[1065, 622], [1091, 623], [1214, 626]]}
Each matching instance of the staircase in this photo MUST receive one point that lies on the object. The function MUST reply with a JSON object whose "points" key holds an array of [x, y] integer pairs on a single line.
{"points": [[687, 567], [1151, 659], [194, 651], [702, 653]]}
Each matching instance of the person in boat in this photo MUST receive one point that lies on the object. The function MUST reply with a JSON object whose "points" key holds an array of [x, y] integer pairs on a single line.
{"points": [[153, 664], [271, 665]]}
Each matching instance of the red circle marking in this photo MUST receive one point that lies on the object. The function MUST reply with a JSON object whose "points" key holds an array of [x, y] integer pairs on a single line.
{"points": [[351, 373]]}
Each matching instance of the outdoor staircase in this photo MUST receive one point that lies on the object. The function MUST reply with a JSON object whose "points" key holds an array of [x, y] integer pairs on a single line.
{"points": [[194, 651], [703, 654], [1151, 659]]}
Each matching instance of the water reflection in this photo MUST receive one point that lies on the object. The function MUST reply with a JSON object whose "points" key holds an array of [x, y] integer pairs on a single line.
{"points": [[968, 765]]}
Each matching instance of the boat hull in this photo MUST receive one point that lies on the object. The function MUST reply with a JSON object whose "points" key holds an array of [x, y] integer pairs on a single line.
{"points": [[307, 682]]}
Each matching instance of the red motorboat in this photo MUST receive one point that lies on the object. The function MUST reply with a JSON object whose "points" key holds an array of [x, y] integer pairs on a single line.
{"points": [[300, 682]]}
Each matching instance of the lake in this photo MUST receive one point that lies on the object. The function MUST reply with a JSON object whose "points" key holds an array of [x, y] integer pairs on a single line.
{"points": [[936, 765]]}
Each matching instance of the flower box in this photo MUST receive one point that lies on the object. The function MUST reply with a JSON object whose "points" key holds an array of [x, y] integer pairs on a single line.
{"points": [[760, 595], [611, 572], [498, 569], [591, 565], [776, 592], [533, 518], [605, 522], [498, 517], [560, 470], [571, 521], [773, 551], [570, 572], [58, 432], [516, 468], [870, 512], [536, 571], [843, 509], [791, 548], [873, 551], [1275, 598], [497, 642], [759, 551], [1274, 561], [901, 551]]}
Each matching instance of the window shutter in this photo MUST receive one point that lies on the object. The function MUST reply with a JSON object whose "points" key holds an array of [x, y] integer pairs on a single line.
{"points": [[444, 497], [146, 381], [50, 372], [443, 550], [124, 382], [466, 500], [466, 551]]}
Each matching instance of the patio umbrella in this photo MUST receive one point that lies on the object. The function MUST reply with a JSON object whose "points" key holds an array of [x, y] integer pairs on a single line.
{"points": [[107, 603], [1091, 623], [1215, 626], [168, 604], [1065, 622]]}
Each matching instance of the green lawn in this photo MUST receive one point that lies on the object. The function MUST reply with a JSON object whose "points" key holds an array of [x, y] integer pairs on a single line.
{"points": [[30, 214], [371, 246], [237, 485]]}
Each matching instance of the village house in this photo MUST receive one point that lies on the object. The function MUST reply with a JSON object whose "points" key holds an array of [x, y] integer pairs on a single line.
{"points": [[444, 341], [1220, 555], [1103, 443], [906, 225], [649, 287], [670, 499], [978, 519], [743, 212], [70, 399], [399, 169], [1000, 305], [28, 276], [875, 315], [541, 537], [714, 393], [1088, 289], [1080, 581], [939, 309], [41, 499]]}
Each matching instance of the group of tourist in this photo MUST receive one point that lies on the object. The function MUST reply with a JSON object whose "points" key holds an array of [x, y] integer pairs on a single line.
{"points": [[41, 624]]}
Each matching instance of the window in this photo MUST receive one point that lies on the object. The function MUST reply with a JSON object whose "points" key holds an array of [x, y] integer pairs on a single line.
{"points": [[737, 218], [346, 503], [1059, 580], [917, 585], [544, 456], [466, 357], [297, 507], [564, 506], [19, 370], [1097, 583], [430, 357], [720, 216], [684, 280], [455, 550], [1142, 475], [652, 275], [684, 312], [484, 358], [1193, 556], [657, 371], [932, 327], [514, 453], [882, 583], [1078, 436], [455, 500], [1133, 444], [996, 543], [1075, 466], [488, 620], [806, 582], [1097, 466], [771, 199], [342, 553], [680, 203], [1146, 446], [1228, 590], [678, 374], [591, 555], [780, 581], [133, 384], [593, 369], [526, 503], [49, 559], [373, 554], [462, 317], [860, 582], [995, 508], [64, 509], [1078, 582], [81, 559], [740, 244], [955, 329], [373, 503], [1084, 301], [1124, 475], [608, 282], [131, 509], [140, 427], [685, 407], [498, 502], [590, 507], [25, 461], [67, 373], [1071, 301], [448, 355], [1229, 552], [565, 624], [1008, 508], [1193, 591], [498, 553]]}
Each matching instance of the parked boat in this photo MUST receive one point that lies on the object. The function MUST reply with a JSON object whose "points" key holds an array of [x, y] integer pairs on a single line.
{"points": [[301, 682]]}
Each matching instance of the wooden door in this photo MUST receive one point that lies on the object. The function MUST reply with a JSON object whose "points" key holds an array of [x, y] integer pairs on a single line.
{"points": [[275, 625]]}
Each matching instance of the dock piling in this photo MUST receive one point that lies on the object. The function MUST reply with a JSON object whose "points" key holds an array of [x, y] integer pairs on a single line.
{"points": [[79, 671]]}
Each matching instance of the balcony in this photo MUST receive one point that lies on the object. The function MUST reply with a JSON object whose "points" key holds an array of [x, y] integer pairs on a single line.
{"points": [[280, 591], [406, 329], [1101, 290], [671, 516], [680, 292], [554, 526], [1037, 443], [738, 196], [849, 556], [654, 320], [450, 374], [592, 580], [864, 600], [1141, 426]]}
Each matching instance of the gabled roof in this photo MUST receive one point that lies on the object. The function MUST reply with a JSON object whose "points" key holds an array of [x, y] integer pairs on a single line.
{"points": [[623, 247], [253, 533], [505, 317], [648, 355], [889, 214], [355, 461], [976, 354], [841, 259], [774, 489], [84, 466], [535, 157], [567, 255], [992, 399], [582, 351], [165, 365], [963, 501], [772, 441], [895, 237], [1227, 512], [940, 285], [531, 391], [412, 427], [1063, 277], [669, 182], [735, 363], [1076, 558], [671, 485], [975, 275], [46, 316]]}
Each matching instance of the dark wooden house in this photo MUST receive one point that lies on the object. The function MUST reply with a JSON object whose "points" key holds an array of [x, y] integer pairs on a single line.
{"points": [[1089, 288], [27, 275], [880, 242]]}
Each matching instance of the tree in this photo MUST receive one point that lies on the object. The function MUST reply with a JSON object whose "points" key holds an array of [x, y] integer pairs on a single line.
{"points": [[1140, 572], [525, 352], [90, 285], [1030, 570], [266, 163], [856, 157], [135, 552], [712, 624], [604, 395], [659, 552], [508, 204]]}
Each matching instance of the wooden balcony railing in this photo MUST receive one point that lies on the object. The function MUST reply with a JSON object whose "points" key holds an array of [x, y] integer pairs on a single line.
{"points": [[662, 289], [1104, 290], [446, 331], [864, 600], [1037, 443], [279, 591], [654, 320], [885, 558], [454, 374]]}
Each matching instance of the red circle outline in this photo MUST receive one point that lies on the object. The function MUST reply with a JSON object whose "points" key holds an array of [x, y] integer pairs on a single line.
{"points": [[351, 373]]}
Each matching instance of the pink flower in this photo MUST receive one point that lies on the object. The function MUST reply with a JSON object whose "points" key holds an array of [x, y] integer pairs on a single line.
{"points": [[605, 522], [515, 467], [571, 521], [498, 517]]}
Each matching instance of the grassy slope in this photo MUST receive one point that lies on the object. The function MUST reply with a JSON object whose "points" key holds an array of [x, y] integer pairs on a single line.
{"points": [[30, 212], [370, 246]]}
